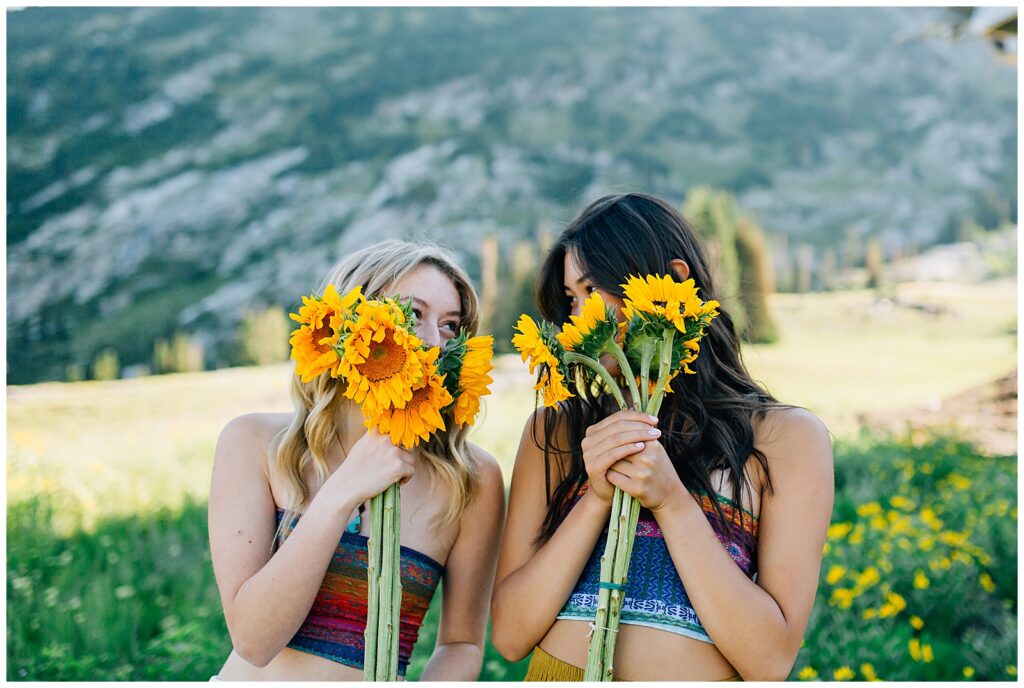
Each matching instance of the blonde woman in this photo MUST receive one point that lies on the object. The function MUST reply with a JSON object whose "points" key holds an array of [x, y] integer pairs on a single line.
{"points": [[289, 508]]}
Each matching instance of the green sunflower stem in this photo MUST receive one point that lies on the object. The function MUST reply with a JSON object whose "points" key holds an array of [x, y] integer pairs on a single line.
{"points": [[595, 651], [572, 357], [373, 568], [646, 355], [664, 367], [615, 350], [623, 520], [384, 586]]}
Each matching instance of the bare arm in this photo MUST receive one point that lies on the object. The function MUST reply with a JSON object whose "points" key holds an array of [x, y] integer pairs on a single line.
{"points": [[758, 626], [266, 598], [533, 581], [468, 577]]}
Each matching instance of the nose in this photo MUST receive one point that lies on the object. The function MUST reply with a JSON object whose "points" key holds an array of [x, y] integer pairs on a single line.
{"points": [[429, 332]]}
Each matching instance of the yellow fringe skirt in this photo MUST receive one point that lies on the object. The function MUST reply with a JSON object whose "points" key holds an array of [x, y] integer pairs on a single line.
{"points": [[545, 667]]}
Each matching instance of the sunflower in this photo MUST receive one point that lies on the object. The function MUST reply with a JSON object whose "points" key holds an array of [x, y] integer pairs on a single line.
{"points": [[541, 347], [591, 330], [321, 327], [420, 416], [473, 378], [381, 357], [655, 295]]}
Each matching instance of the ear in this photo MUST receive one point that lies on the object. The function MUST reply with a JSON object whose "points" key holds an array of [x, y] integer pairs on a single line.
{"points": [[681, 269]]}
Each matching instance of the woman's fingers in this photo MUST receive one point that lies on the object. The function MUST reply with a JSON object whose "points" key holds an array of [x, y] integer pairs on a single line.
{"points": [[633, 416], [620, 432], [627, 436]]}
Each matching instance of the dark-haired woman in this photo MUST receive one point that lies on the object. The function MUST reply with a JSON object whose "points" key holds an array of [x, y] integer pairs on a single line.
{"points": [[736, 489]]}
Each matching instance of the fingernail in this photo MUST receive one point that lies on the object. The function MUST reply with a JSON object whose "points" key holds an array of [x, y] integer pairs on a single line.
{"points": [[653, 418], [639, 445], [653, 431]]}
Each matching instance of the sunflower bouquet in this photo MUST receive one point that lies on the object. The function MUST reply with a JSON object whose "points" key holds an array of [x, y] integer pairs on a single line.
{"points": [[404, 390], [660, 336]]}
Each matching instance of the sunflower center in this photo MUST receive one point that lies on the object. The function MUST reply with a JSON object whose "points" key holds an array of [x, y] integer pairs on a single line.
{"points": [[386, 359], [318, 334], [419, 396], [660, 303]]}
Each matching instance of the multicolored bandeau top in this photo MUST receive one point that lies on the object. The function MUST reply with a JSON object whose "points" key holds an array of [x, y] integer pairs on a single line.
{"points": [[654, 592], [336, 622]]}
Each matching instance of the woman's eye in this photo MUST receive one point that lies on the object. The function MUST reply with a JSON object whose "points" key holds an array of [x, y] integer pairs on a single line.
{"points": [[452, 326], [417, 313], [591, 290]]}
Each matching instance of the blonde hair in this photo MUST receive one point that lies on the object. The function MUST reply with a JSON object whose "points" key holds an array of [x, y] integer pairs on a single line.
{"points": [[320, 403]]}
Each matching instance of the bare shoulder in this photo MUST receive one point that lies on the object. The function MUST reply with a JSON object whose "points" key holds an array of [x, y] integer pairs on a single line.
{"points": [[794, 441], [489, 469], [251, 431]]}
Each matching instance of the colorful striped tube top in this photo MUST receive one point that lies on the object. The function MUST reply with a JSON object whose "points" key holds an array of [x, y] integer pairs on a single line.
{"points": [[654, 591], [336, 622]]}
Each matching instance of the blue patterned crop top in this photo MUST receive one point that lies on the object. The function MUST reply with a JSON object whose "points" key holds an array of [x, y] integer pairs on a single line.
{"points": [[654, 592]]}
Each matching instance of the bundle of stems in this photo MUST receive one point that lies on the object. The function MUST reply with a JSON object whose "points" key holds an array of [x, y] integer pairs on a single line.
{"points": [[384, 585], [618, 548]]}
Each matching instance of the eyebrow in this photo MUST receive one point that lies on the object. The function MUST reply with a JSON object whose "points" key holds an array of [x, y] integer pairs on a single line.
{"points": [[587, 277], [418, 300]]}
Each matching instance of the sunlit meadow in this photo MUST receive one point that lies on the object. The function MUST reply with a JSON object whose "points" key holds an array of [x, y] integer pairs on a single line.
{"points": [[109, 574]]}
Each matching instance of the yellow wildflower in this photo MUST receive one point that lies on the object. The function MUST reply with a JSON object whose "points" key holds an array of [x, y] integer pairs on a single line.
{"points": [[987, 584], [843, 598], [917, 622], [837, 531], [920, 580], [927, 543], [878, 522], [1011, 670], [857, 536], [958, 481], [869, 509], [929, 517], [868, 672], [926, 652], [807, 673], [870, 613], [914, 646], [901, 502], [868, 577], [953, 538], [843, 673], [968, 672], [834, 574]]}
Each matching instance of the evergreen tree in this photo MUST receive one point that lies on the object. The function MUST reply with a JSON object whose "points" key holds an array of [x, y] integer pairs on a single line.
{"points": [[713, 215], [756, 282], [106, 366]]}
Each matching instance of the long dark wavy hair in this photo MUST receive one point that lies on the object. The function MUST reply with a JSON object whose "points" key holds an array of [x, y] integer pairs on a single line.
{"points": [[706, 420]]}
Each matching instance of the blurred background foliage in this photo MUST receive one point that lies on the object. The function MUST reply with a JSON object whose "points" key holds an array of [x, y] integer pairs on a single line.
{"points": [[173, 171]]}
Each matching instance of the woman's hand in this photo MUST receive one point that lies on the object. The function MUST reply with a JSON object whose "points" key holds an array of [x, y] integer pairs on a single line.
{"points": [[649, 476], [608, 444], [372, 465]]}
